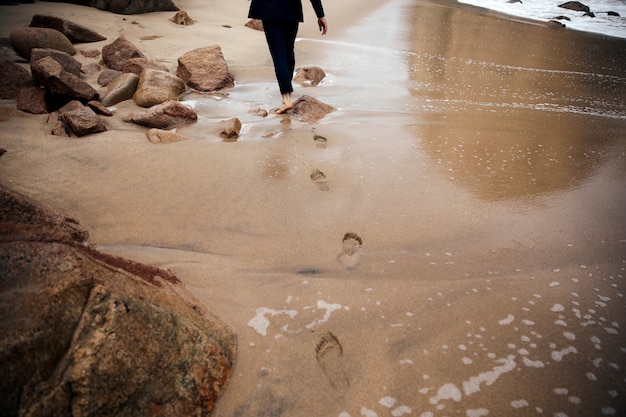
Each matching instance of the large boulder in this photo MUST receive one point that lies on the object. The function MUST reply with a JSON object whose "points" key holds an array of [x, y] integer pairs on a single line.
{"points": [[163, 116], [74, 32], [32, 100], [116, 53], [310, 109], [120, 89], [89, 334], [23, 40], [156, 87], [12, 78], [126, 6], [205, 69], [51, 75]]}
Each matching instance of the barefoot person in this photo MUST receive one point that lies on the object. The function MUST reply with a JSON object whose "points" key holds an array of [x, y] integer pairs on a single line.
{"points": [[280, 23]]}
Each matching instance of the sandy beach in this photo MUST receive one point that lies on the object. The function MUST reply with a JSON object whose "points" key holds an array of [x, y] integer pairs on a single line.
{"points": [[479, 159]]}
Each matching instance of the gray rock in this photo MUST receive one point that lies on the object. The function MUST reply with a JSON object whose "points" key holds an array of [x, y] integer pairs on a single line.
{"points": [[120, 89], [163, 116], [108, 75], [205, 69], [23, 40], [156, 87]]}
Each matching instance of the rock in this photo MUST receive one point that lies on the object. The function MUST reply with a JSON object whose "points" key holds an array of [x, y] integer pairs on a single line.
{"points": [[137, 65], [90, 69], [68, 62], [80, 119], [576, 6], [259, 112], [90, 53], [9, 54], [49, 73], [107, 76], [90, 334], [156, 87], [182, 18], [309, 75], [205, 69], [163, 116], [120, 89], [75, 33], [555, 24], [310, 109], [83, 121], [116, 53], [12, 78], [23, 40], [32, 100], [99, 108], [160, 136], [135, 7], [256, 24], [230, 129], [57, 126], [614, 14]]}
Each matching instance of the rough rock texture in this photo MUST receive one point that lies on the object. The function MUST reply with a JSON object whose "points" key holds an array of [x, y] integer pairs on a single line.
{"points": [[108, 75], [83, 333], [116, 53], [68, 62], [230, 129], [255, 24], [137, 65], [309, 75], [83, 121], [74, 32], [23, 40], [156, 87], [12, 78], [182, 18], [99, 108], [126, 6], [163, 116], [49, 73], [160, 136], [32, 100], [310, 109], [205, 69], [121, 88], [56, 125]]}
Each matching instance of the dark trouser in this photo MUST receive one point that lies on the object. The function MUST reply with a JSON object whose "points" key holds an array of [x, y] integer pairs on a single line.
{"points": [[281, 38]]}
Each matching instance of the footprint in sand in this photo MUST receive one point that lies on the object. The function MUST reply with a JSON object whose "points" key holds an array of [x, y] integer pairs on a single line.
{"points": [[351, 251], [319, 179], [320, 141], [329, 356]]}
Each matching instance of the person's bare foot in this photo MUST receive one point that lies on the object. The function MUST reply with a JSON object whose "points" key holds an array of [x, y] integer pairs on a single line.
{"points": [[287, 105]]}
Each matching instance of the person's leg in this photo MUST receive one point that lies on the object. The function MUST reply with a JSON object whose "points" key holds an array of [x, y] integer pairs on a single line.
{"points": [[281, 39]]}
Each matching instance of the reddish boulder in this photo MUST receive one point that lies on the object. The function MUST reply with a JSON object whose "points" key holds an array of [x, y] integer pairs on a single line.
{"points": [[32, 100], [23, 40], [309, 75], [68, 62], [205, 69], [137, 65], [156, 87], [74, 32], [83, 121], [51, 75], [163, 116], [12, 78], [118, 52], [310, 109]]}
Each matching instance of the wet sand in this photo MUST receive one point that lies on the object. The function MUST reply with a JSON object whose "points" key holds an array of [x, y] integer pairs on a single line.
{"points": [[479, 159]]}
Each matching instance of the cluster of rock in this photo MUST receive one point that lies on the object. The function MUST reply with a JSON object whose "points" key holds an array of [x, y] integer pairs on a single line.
{"points": [[575, 6], [90, 334], [55, 83], [116, 6]]}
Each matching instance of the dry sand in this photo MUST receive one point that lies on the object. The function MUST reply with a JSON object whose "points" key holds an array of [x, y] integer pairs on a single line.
{"points": [[480, 160]]}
